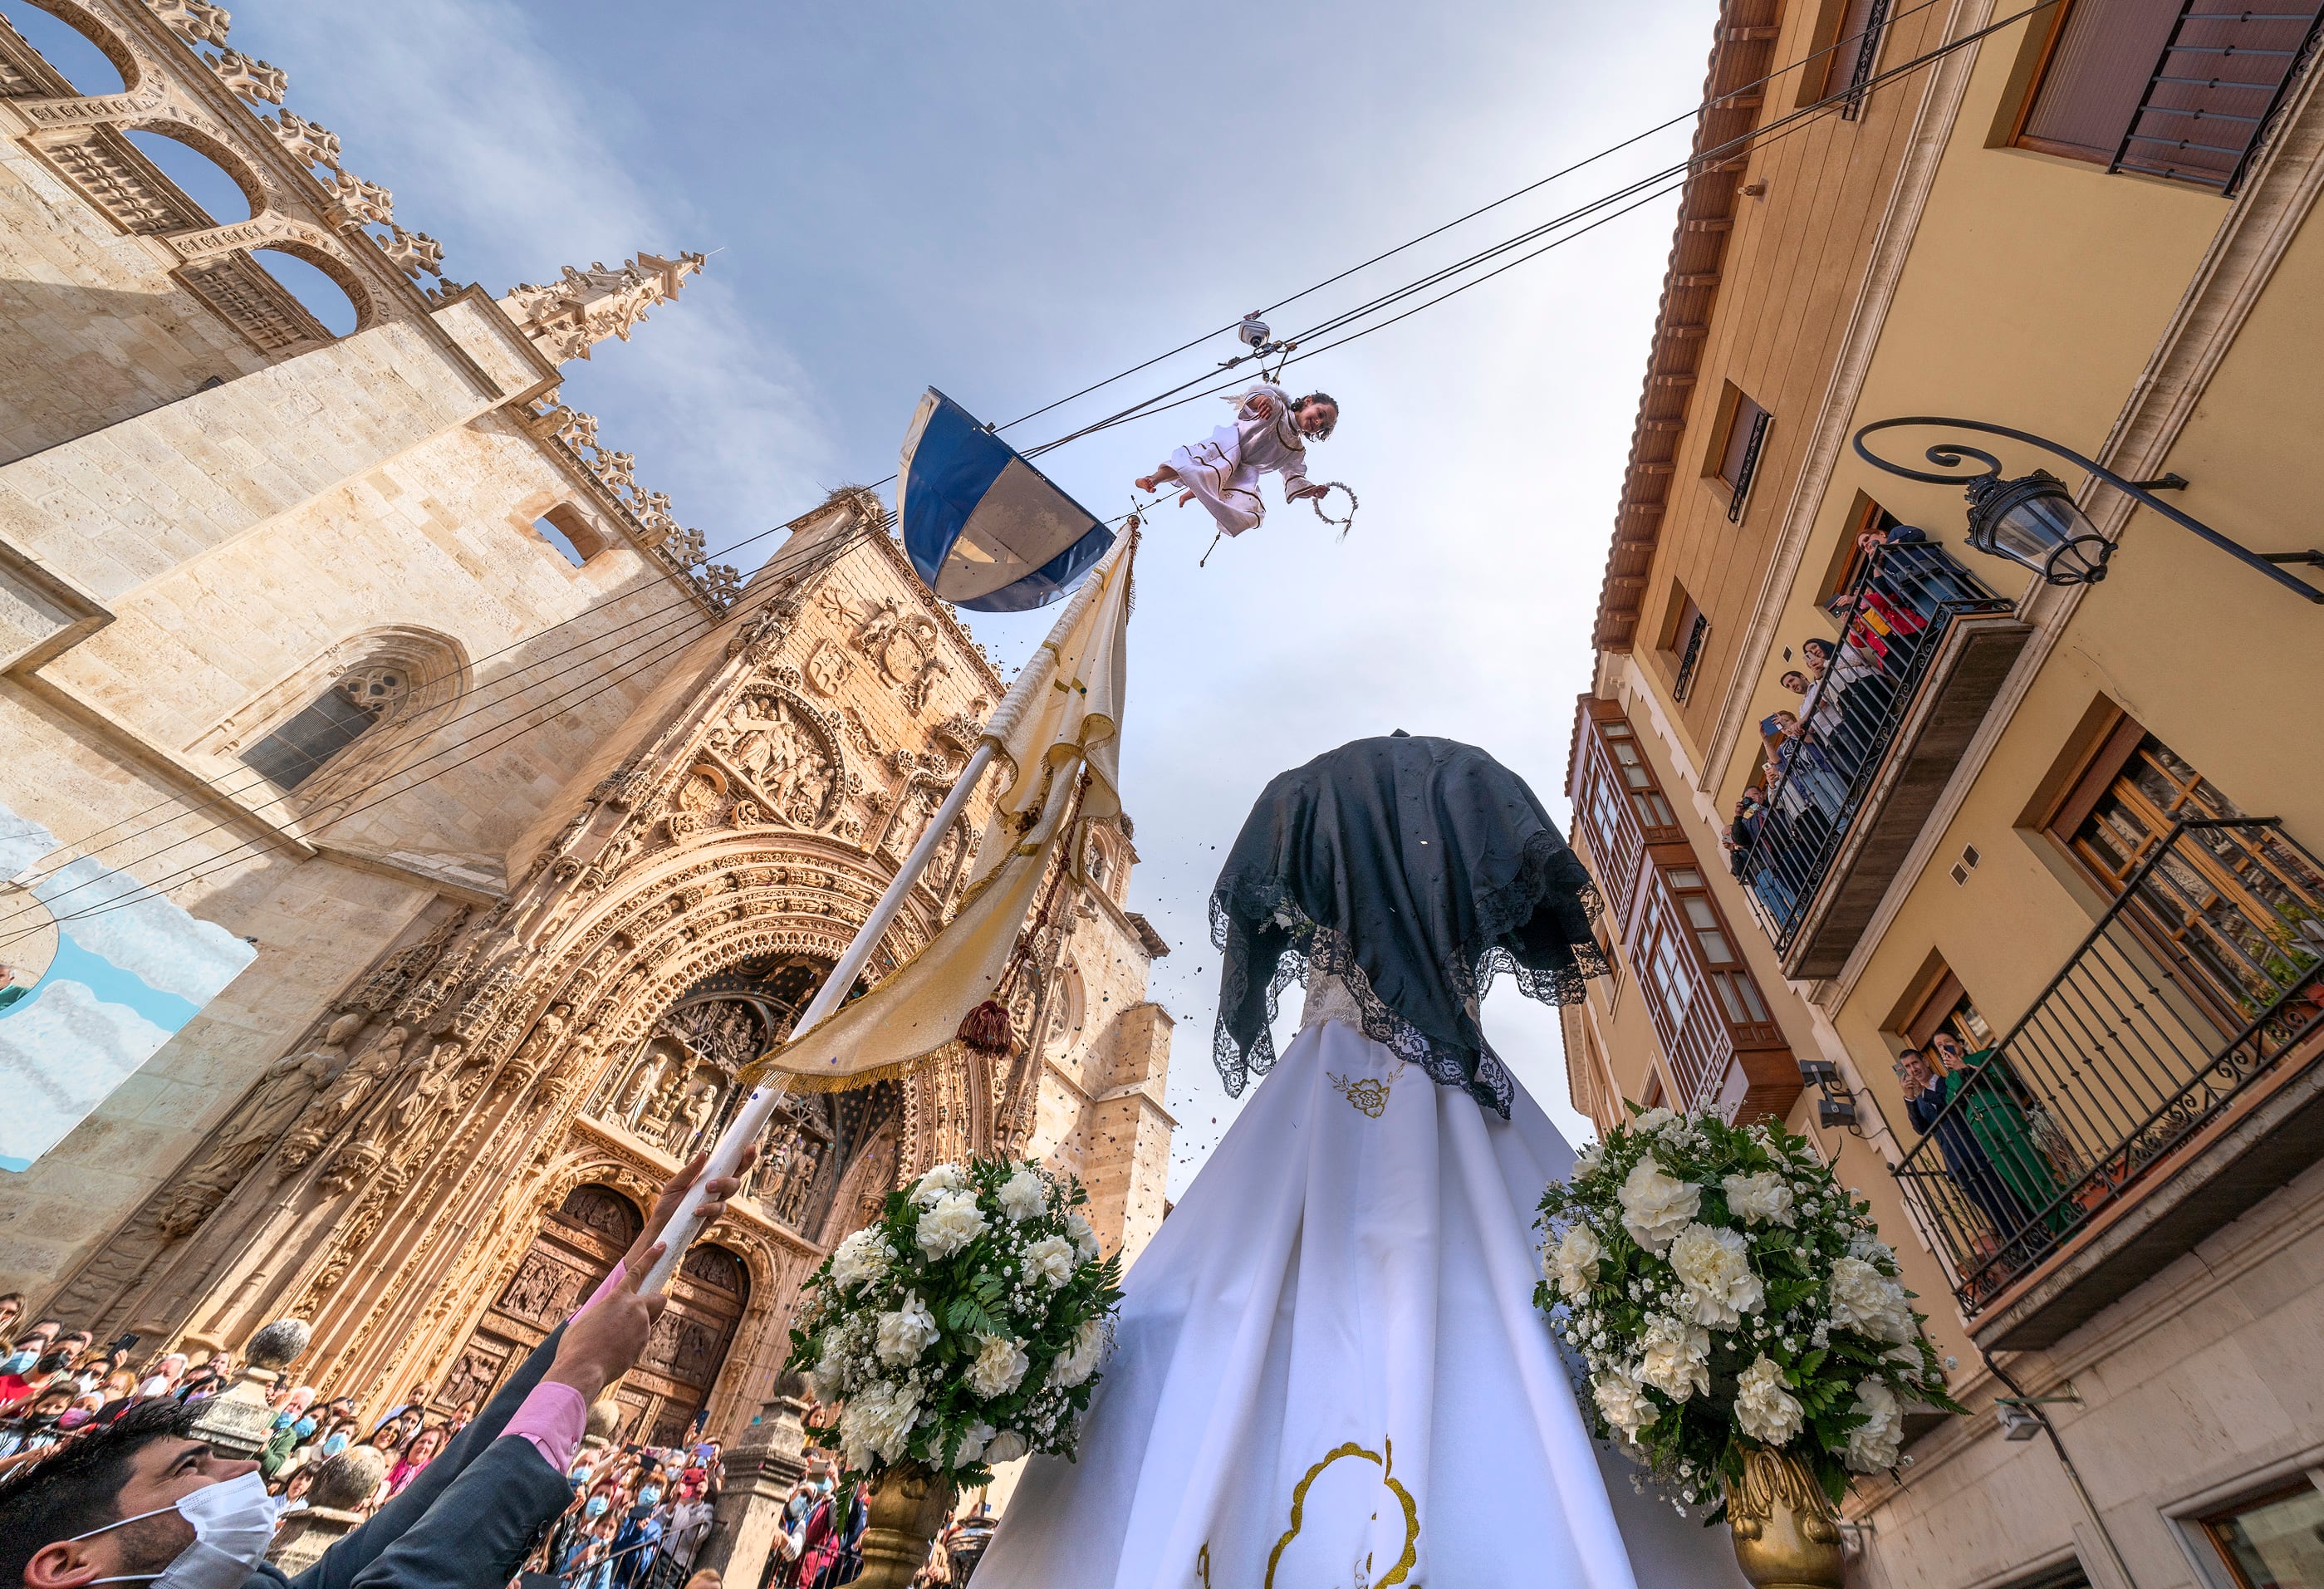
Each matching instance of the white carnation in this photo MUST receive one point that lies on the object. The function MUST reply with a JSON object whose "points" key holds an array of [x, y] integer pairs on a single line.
{"points": [[1653, 1120], [1084, 1236], [1764, 1409], [864, 1256], [1051, 1259], [906, 1333], [1715, 1266], [1864, 1244], [1656, 1207], [1675, 1357], [973, 1442], [877, 1421], [1007, 1445], [949, 1223], [1586, 1162], [1001, 1363], [943, 1179], [1573, 1263], [827, 1380], [1078, 1364], [1024, 1196], [1869, 1302], [1873, 1445], [1625, 1406], [1764, 1198]]}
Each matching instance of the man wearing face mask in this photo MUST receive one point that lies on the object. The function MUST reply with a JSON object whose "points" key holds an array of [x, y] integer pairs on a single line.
{"points": [[140, 1502]]}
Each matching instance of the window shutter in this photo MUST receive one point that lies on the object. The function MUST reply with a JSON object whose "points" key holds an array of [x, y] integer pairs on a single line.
{"points": [[2100, 59]]}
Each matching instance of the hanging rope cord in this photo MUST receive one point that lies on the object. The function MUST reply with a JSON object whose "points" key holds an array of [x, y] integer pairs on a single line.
{"points": [[664, 647], [819, 559], [1640, 193]]}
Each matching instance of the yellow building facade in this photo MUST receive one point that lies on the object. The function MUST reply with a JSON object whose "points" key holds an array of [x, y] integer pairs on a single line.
{"points": [[2008, 891]]}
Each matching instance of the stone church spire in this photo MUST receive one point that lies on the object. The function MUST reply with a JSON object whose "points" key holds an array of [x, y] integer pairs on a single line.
{"points": [[569, 316]]}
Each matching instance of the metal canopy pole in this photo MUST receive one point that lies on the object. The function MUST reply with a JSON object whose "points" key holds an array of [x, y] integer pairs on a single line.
{"points": [[752, 1119]]}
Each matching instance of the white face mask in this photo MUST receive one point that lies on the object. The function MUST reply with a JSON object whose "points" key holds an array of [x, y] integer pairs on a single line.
{"points": [[234, 1523]]}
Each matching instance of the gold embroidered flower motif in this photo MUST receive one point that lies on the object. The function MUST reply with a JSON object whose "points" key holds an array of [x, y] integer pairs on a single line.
{"points": [[1367, 1096]]}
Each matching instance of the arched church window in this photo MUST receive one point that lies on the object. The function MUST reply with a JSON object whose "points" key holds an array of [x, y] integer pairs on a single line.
{"points": [[335, 720]]}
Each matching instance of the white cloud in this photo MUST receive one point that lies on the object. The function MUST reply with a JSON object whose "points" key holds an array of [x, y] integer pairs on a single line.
{"points": [[61, 1056], [147, 937], [23, 841]]}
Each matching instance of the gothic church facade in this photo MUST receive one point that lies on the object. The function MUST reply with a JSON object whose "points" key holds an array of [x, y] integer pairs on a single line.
{"points": [[361, 648]]}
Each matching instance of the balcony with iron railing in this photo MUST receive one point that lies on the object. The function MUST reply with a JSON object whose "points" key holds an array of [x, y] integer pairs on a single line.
{"points": [[2165, 1081], [1722, 1049], [1851, 780]]}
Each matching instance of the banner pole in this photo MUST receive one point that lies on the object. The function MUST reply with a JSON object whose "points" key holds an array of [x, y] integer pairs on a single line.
{"points": [[751, 1118]]}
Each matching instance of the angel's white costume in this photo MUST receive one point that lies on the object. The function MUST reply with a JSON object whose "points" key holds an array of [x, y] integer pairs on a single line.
{"points": [[1222, 473]]}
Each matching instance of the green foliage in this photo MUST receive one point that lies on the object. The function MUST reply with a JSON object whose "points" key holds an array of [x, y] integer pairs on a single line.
{"points": [[1692, 1358], [972, 1310]]}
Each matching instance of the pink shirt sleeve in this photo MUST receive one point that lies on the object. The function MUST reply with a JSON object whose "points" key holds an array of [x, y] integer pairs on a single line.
{"points": [[613, 1278], [554, 1418]]}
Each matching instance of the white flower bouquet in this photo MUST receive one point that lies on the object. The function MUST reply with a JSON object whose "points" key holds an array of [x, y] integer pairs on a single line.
{"points": [[1725, 1293], [962, 1328]]}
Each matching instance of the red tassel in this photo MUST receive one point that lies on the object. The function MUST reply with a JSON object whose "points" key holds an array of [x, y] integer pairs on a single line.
{"points": [[985, 1029]]}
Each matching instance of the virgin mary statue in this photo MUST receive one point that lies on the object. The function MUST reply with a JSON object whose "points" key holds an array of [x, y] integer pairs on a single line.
{"points": [[1329, 1370]]}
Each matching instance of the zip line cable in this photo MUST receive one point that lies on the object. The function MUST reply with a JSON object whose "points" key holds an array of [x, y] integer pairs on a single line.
{"points": [[1690, 114], [1683, 171], [197, 869], [667, 639], [419, 729], [1639, 193], [680, 604]]}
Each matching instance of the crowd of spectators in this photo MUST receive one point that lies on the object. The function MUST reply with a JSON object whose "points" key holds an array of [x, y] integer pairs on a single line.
{"points": [[639, 1517], [1813, 754], [110, 1477]]}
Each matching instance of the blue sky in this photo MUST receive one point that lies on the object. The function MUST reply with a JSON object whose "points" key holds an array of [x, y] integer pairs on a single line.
{"points": [[1010, 202]]}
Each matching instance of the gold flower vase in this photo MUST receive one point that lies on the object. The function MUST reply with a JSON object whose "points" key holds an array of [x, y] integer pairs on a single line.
{"points": [[1786, 1532], [903, 1516]]}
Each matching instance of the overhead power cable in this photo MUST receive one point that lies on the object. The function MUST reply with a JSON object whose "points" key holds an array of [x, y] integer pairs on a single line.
{"points": [[1637, 194], [1681, 119]]}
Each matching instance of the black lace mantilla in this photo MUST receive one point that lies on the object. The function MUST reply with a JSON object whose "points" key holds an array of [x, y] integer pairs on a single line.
{"points": [[1416, 871]]}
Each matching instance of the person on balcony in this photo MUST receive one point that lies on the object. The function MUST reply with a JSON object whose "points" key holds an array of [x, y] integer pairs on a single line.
{"points": [[1993, 1102], [1927, 1092]]}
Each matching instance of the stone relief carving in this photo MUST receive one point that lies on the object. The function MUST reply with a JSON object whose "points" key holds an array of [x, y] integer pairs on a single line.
{"points": [[251, 79], [827, 668], [234, 1148]]}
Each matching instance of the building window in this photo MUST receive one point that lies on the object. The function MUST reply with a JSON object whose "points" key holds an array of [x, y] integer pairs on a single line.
{"points": [[1738, 996], [339, 716], [1742, 440], [1683, 641], [1850, 559], [2276, 1540], [2162, 87], [1638, 778], [1854, 55], [2232, 908], [563, 527]]}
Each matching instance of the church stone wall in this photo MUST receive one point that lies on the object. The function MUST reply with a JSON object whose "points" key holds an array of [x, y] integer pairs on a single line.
{"points": [[542, 970]]}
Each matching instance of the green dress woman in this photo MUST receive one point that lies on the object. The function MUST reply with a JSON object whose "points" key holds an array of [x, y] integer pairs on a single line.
{"points": [[1989, 1093]]}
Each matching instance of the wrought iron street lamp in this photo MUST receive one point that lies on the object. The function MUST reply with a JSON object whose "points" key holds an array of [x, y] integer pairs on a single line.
{"points": [[2032, 520]]}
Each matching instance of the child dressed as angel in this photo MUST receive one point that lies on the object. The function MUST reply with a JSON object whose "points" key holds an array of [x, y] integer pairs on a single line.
{"points": [[1270, 432]]}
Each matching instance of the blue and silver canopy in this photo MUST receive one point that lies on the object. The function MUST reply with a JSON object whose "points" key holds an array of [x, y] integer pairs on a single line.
{"points": [[986, 530]]}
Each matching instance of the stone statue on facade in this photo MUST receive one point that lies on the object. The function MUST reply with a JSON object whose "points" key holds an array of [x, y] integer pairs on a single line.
{"points": [[342, 1099], [281, 1095]]}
